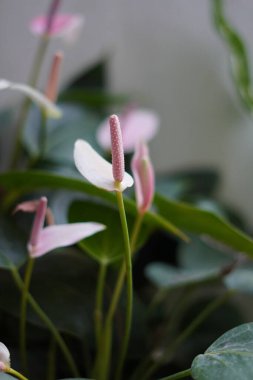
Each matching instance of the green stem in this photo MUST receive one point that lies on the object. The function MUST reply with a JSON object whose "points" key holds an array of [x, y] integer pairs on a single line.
{"points": [[136, 231], [32, 81], [23, 312], [98, 314], [62, 345], [178, 375], [51, 371], [43, 134], [210, 308], [129, 286], [18, 375]]}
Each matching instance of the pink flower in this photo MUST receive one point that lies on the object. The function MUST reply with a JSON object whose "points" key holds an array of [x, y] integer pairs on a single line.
{"points": [[144, 178], [136, 124], [53, 78], [66, 26], [110, 177], [43, 240]]}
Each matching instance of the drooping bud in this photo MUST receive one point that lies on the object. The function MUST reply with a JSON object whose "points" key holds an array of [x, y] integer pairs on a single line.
{"points": [[118, 162], [51, 91], [4, 357], [38, 222], [144, 177]]}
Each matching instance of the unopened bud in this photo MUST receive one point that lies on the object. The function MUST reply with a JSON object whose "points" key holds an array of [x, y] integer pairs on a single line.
{"points": [[53, 79]]}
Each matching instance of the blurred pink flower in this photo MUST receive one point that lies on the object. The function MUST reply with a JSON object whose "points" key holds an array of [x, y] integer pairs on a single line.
{"points": [[67, 26], [144, 178], [5, 361], [43, 240], [136, 125], [110, 177]]}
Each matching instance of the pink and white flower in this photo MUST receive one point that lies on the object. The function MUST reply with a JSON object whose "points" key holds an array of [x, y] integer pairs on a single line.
{"points": [[5, 361], [98, 171], [136, 124], [67, 26], [45, 239]]}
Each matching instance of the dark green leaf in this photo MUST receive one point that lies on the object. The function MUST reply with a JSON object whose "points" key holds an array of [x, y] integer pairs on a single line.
{"points": [[169, 277], [13, 250], [229, 357], [107, 246], [18, 183], [203, 222], [93, 77], [241, 280]]}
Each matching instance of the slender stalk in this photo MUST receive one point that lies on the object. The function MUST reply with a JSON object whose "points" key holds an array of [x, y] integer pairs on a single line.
{"points": [[178, 375], [33, 79], [23, 312], [47, 321], [129, 283], [210, 308], [136, 231], [98, 314], [43, 134], [18, 375], [51, 371]]}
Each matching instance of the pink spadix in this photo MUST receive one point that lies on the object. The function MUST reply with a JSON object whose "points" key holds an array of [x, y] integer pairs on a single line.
{"points": [[118, 162]]}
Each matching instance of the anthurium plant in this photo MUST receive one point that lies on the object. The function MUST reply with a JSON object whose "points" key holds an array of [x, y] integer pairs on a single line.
{"points": [[108, 270]]}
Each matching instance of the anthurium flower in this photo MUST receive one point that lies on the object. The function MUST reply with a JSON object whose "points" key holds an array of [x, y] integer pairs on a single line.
{"points": [[96, 169], [53, 78], [50, 108], [136, 125], [44, 240], [144, 178], [67, 26], [4, 357]]}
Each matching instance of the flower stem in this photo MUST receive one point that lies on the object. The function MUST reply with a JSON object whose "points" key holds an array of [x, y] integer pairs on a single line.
{"points": [[98, 314], [178, 375], [18, 375], [51, 370], [33, 79], [62, 345], [23, 312], [129, 283], [136, 231]]}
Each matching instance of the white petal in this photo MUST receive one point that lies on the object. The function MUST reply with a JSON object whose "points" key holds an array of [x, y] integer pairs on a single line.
{"points": [[50, 108], [96, 169], [4, 355]]}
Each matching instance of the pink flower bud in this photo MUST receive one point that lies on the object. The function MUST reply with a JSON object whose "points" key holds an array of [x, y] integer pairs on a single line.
{"points": [[53, 79], [118, 162], [143, 172]]}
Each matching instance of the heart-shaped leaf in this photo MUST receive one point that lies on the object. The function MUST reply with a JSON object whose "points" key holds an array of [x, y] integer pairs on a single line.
{"points": [[13, 250], [108, 246], [229, 357]]}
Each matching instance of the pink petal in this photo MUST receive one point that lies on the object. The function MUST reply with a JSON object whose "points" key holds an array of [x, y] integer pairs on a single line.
{"points": [[62, 236], [96, 169], [28, 206], [64, 25], [137, 125]]}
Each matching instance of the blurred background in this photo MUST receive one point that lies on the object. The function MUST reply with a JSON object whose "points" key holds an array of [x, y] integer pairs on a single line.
{"points": [[168, 56]]}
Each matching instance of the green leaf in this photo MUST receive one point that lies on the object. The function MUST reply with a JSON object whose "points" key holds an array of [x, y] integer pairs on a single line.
{"points": [[75, 123], [229, 357], [4, 376], [199, 255], [63, 284], [108, 245], [18, 183], [13, 250], [94, 77], [241, 280], [184, 184], [169, 277], [192, 219], [92, 98], [79, 378]]}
